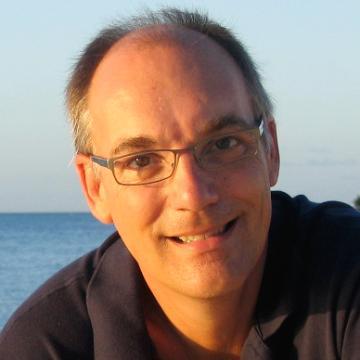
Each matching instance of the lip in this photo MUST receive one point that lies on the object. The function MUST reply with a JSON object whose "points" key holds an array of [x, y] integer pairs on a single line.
{"points": [[211, 242]]}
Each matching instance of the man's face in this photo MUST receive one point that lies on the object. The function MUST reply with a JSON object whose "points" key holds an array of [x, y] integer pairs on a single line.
{"points": [[171, 95]]}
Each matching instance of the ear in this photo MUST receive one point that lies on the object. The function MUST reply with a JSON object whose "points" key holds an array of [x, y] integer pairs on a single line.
{"points": [[92, 188], [273, 154]]}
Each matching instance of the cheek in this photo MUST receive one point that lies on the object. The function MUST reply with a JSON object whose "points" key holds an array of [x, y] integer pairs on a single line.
{"points": [[249, 190], [135, 211], [248, 179]]}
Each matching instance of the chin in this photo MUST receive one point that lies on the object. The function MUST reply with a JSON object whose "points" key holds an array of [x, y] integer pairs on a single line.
{"points": [[210, 281]]}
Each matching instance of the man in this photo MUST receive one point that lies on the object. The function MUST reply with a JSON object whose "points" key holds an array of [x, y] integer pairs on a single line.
{"points": [[176, 145]]}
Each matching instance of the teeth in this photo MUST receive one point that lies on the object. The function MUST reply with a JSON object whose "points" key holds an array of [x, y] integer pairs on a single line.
{"points": [[192, 238]]}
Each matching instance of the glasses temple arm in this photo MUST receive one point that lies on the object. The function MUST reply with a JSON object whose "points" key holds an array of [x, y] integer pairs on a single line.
{"points": [[100, 160]]}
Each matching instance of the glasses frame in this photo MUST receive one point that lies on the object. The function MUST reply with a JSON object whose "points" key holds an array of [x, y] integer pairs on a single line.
{"points": [[109, 162]]}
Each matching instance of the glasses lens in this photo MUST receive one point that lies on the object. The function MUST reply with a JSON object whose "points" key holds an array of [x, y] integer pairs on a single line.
{"points": [[228, 148], [144, 167]]}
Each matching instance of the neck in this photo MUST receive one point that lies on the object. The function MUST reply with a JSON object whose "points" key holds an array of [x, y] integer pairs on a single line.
{"points": [[201, 328]]}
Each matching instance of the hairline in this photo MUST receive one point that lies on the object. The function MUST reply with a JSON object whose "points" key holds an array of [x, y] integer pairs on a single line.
{"points": [[142, 30]]}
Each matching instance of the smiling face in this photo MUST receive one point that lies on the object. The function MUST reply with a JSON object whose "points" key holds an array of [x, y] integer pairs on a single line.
{"points": [[200, 233]]}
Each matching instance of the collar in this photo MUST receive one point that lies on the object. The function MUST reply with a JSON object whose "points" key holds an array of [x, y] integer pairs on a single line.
{"points": [[280, 298]]}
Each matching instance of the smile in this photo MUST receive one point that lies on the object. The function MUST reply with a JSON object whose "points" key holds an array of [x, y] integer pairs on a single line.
{"points": [[198, 237]]}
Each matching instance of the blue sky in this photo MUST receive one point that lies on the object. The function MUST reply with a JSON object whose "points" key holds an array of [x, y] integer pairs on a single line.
{"points": [[308, 53]]}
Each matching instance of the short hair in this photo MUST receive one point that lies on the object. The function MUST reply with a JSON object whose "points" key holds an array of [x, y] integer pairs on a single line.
{"points": [[95, 51]]}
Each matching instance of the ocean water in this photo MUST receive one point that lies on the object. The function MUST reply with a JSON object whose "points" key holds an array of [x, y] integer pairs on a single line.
{"points": [[34, 246]]}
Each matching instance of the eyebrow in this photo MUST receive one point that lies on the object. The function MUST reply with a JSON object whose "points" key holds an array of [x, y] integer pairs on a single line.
{"points": [[226, 121], [133, 144], [142, 142]]}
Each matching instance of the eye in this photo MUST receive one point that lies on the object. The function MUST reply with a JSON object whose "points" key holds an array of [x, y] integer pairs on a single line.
{"points": [[226, 143], [143, 167], [141, 161], [229, 145]]}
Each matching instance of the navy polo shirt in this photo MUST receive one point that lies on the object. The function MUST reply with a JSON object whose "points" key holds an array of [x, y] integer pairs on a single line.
{"points": [[308, 305]]}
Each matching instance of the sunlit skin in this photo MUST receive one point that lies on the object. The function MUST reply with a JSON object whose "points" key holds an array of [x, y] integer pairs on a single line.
{"points": [[172, 93]]}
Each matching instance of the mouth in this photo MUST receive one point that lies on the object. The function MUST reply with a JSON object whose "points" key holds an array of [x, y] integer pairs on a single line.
{"points": [[219, 232]]}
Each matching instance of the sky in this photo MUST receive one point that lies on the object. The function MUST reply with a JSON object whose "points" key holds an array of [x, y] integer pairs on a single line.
{"points": [[308, 53]]}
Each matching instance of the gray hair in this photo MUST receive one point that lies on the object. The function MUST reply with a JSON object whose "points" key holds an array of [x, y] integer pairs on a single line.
{"points": [[90, 58]]}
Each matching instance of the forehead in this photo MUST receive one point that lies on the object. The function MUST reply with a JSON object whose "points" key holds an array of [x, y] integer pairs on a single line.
{"points": [[147, 56], [164, 81]]}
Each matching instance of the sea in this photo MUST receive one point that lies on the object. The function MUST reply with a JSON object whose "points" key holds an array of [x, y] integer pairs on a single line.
{"points": [[34, 246]]}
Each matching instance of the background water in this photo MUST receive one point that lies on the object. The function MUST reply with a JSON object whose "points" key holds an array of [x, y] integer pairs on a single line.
{"points": [[35, 246]]}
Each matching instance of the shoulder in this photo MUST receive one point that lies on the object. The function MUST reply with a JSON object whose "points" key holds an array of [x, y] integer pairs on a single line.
{"points": [[324, 237], [325, 253], [56, 313], [314, 225]]}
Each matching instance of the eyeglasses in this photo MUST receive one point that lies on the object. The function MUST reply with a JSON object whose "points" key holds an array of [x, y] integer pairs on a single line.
{"points": [[151, 166]]}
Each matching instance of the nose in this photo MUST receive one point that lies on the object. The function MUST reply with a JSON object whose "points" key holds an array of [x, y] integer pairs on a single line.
{"points": [[192, 188]]}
